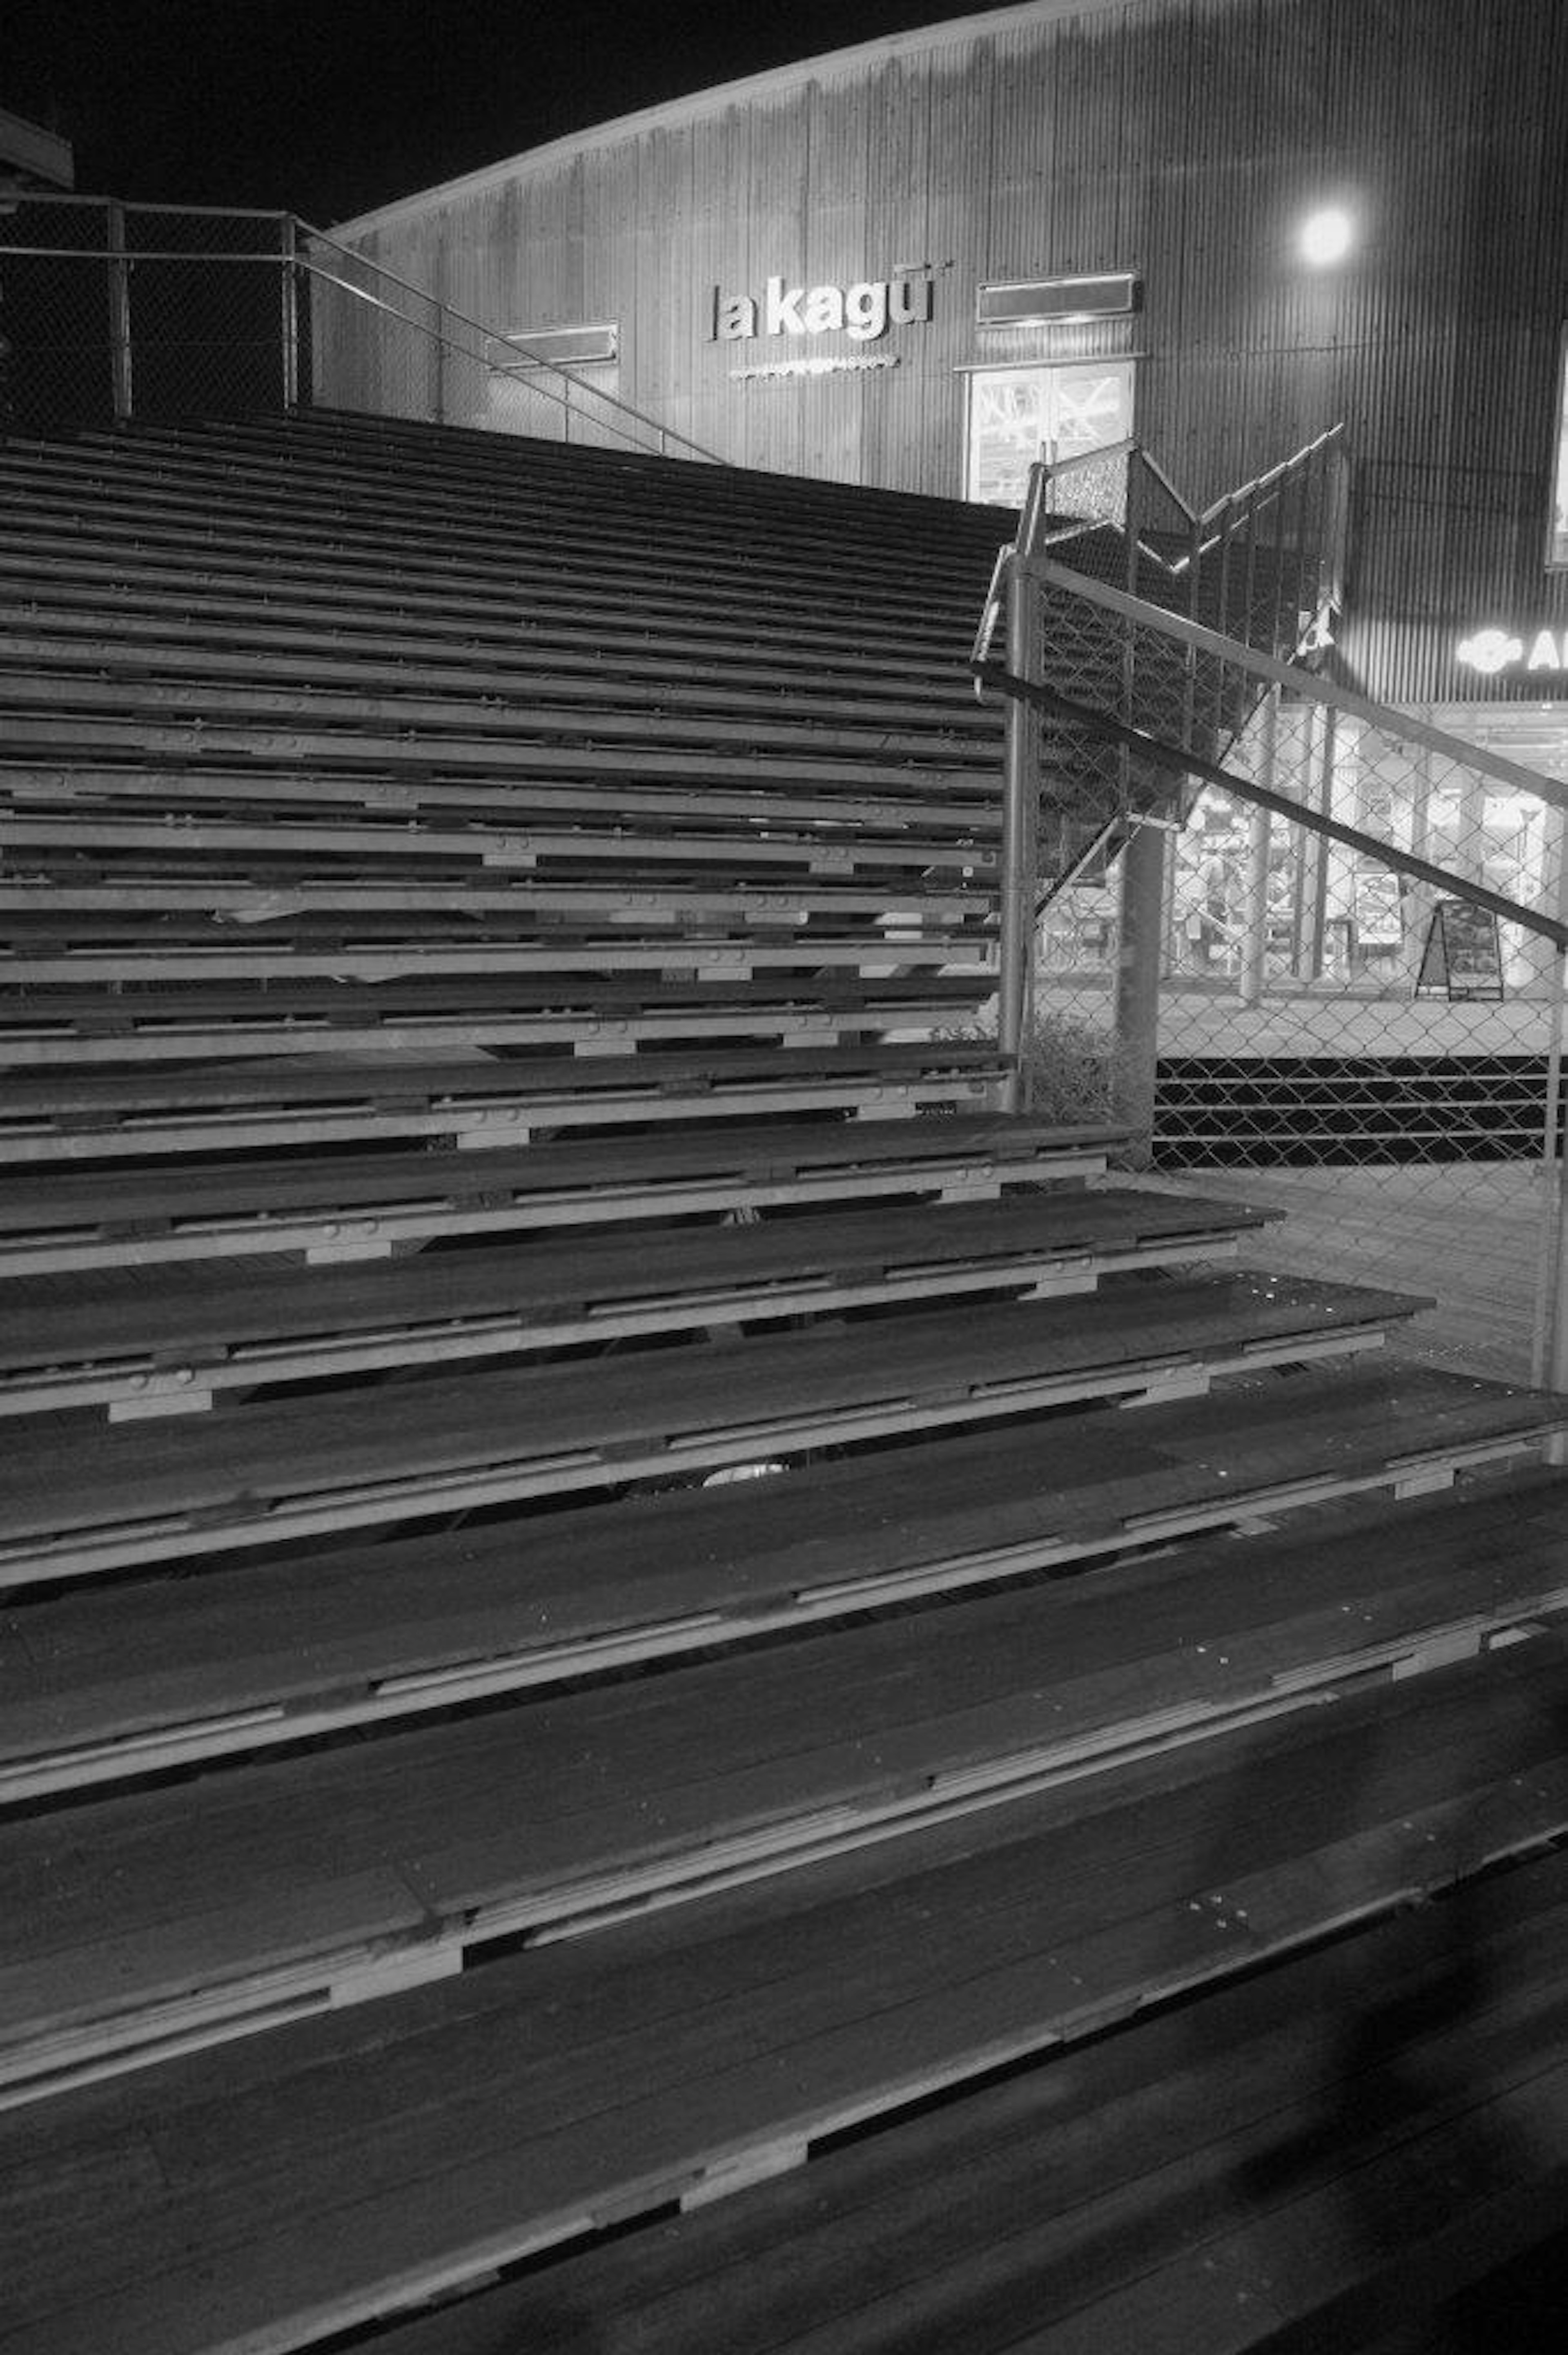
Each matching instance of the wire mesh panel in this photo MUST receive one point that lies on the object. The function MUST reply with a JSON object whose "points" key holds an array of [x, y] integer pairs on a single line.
{"points": [[112, 311], [206, 295], [55, 343], [1374, 1051]]}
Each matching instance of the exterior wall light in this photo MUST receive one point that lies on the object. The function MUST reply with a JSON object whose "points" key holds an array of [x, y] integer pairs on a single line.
{"points": [[1327, 237]]}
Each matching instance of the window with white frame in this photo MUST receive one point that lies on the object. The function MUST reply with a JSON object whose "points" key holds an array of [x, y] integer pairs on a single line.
{"points": [[1032, 411]]}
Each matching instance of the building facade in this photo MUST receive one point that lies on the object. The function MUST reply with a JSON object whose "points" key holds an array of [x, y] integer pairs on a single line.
{"points": [[922, 261]]}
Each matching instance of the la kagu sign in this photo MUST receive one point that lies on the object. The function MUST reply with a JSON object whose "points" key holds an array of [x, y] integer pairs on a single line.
{"points": [[863, 311], [1492, 651]]}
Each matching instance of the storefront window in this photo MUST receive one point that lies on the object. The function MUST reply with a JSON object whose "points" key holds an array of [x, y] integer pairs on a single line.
{"points": [[1019, 414], [1557, 547]]}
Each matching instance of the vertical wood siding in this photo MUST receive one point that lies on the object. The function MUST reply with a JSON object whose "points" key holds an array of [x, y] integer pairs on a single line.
{"points": [[1182, 139]]}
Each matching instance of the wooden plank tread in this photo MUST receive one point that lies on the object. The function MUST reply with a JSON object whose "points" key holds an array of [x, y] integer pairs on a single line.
{"points": [[71, 1502], [180, 1670], [55, 1321], [669, 1787], [1342, 2147], [286, 2186]]}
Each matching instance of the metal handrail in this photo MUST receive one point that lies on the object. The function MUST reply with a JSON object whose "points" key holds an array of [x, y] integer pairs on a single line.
{"points": [[1056, 467], [292, 227], [1271, 672], [1273, 477], [517, 363], [1021, 570]]}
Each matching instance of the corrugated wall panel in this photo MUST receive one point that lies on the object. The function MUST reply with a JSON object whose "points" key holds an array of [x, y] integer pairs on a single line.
{"points": [[1180, 139]]}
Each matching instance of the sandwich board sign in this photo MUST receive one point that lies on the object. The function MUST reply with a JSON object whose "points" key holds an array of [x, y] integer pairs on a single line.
{"points": [[1463, 955]]}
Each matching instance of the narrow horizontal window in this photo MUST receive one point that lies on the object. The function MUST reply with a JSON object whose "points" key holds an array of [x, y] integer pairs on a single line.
{"points": [[1056, 302], [570, 347]]}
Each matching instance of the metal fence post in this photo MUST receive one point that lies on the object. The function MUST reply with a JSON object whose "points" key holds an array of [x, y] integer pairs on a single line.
{"points": [[1020, 812], [1019, 881], [120, 354], [1549, 1359], [1255, 906], [1139, 968], [1141, 960], [288, 271]]}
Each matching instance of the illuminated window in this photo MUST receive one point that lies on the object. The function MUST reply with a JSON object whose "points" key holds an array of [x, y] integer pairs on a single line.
{"points": [[1557, 547], [1019, 414]]}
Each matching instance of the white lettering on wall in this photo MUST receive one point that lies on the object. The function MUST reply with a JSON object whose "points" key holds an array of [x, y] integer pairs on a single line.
{"points": [[1490, 651], [863, 311]]}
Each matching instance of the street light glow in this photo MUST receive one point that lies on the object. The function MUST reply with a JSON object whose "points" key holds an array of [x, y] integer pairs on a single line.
{"points": [[1327, 237]]}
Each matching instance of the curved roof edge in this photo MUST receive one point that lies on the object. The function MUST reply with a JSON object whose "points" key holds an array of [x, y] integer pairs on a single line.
{"points": [[949, 33]]}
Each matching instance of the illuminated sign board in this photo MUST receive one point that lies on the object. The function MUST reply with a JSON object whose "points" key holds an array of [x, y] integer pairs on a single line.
{"points": [[863, 311], [1493, 651]]}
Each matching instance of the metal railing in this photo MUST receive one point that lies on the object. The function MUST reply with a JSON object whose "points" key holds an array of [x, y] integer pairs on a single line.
{"points": [[1263, 565], [1326, 971], [111, 312]]}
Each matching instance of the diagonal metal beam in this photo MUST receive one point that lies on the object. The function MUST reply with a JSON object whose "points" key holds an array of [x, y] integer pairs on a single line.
{"points": [[1179, 764]]}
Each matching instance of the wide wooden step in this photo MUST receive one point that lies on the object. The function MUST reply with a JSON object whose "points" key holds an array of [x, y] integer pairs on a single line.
{"points": [[573, 612], [896, 826], [50, 570], [388, 1862], [100, 624], [328, 1207], [74, 1502], [293, 2184], [71, 666], [173, 728], [345, 445], [142, 869], [726, 496], [265, 937], [140, 1676], [312, 466], [115, 1339], [65, 702], [86, 1115], [101, 514], [586, 1014], [1347, 2151], [185, 480]]}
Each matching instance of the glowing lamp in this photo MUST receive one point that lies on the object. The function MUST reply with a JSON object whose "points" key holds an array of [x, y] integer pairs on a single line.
{"points": [[1327, 237]]}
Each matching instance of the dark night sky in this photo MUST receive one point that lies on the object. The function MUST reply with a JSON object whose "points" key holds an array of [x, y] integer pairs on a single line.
{"points": [[328, 107]]}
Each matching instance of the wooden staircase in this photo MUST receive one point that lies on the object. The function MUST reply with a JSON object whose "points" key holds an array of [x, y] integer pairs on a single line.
{"points": [[664, 1684]]}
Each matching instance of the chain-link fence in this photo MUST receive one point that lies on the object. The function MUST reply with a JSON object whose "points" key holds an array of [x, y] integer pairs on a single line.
{"points": [[112, 311], [1371, 1047]]}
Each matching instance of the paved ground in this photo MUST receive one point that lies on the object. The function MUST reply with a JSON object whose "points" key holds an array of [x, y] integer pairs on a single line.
{"points": [[1331, 1021], [1477, 1237], [1470, 1234]]}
